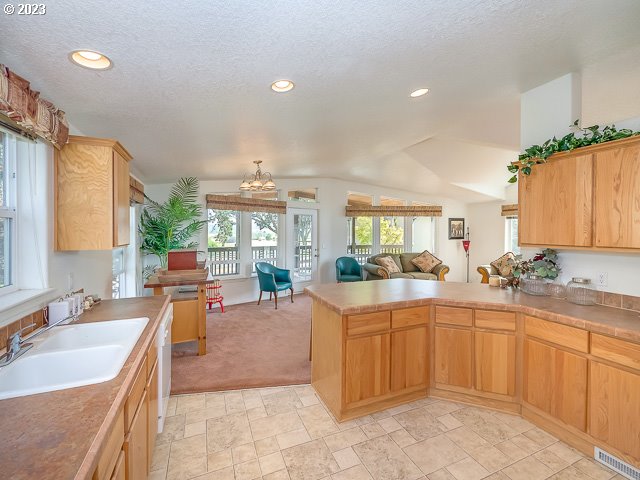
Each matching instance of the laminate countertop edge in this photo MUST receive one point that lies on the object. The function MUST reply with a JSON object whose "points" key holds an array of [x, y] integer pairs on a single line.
{"points": [[616, 322]]}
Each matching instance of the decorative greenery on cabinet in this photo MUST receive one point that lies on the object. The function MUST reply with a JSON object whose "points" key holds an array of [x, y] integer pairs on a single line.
{"points": [[538, 154]]}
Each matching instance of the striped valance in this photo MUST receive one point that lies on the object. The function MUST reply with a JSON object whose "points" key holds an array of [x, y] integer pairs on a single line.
{"points": [[136, 191], [394, 211], [510, 210], [243, 204]]}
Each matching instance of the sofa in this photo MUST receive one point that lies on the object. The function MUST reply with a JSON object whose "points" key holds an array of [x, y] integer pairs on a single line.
{"points": [[407, 269]]}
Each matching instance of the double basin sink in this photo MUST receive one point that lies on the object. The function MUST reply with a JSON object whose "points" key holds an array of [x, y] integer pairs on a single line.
{"points": [[72, 356]]}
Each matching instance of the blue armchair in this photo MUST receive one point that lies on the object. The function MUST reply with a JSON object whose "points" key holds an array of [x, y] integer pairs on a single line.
{"points": [[348, 270], [273, 280]]}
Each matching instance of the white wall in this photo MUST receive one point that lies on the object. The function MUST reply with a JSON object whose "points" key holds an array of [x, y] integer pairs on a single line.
{"points": [[487, 234], [332, 225]]}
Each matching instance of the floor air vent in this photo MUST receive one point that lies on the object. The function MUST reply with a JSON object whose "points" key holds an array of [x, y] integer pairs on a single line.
{"points": [[614, 463]]}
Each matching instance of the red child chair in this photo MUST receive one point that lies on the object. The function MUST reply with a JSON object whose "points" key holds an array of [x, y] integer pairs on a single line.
{"points": [[213, 295]]}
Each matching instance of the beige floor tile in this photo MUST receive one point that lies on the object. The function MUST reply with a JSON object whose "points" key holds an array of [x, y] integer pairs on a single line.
{"points": [[192, 429], [467, 469], [473, 416], [381, 415], [490, 458], [281, 402], [255, 413], [248, 470], [223, 474], [354, 473], [497, 476], [187, 458], [373, 430], [435, 453], [442, 407], [386, 461], [511, 450], [219, 460], [540, 437], [227, 432], [308, 400], [466, 439], [441, 475], [366, 420], [349, 424], [528, 446], [317, 421], [244, 453], [303, 390], [215, 399], [570, 473], [188, 403], [171, 406], [158, 475], [405, 407], [309, 461], [594, 469], [266, 446], [160, 457], [494, 431], [565, 452], [234, 402], [551, 460], [527, 469], [290, 439], [346, 458], [214, 411], [449, 422], [279, 475], [270, 390], [516, 422], [173, 429], [402, 438], [252, 399], [389, 424], [420, 423], [271, 463], [345, 439], [275, 424]]}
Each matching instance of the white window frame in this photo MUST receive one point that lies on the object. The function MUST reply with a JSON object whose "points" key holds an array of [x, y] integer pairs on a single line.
{"points": [[121, 274], [10, 210], [508, 237]]}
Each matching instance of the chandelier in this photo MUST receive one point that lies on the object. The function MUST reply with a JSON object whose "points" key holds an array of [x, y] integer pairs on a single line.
{"points": [[261, 181]]}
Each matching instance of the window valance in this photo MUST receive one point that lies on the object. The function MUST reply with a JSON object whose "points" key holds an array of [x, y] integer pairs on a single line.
{"points": [[136, 191], [243, 204], [510, 210], [394, 211], [25, 107]]}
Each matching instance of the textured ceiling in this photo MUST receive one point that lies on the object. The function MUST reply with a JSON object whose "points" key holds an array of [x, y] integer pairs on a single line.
{"points": [[189, 91]]}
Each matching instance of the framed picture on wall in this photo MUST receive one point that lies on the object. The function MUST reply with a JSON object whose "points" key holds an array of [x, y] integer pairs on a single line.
{"points": [[456, 229]]}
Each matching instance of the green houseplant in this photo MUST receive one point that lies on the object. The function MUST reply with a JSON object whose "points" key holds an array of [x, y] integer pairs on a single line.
{"points": [[172, 224]]}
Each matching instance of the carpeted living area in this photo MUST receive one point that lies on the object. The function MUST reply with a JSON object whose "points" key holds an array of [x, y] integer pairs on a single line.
{"points": [[248, 346]]}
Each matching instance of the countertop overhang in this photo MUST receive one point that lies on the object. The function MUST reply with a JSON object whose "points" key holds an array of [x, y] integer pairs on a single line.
{"points": [[60, 435], [371, 296]]}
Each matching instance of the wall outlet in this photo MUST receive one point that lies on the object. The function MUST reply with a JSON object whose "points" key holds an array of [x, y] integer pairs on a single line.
{"points": [[602, 279]]}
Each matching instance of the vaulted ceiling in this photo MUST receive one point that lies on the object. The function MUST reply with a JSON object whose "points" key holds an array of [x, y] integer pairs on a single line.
{"points": [[189, 92]]}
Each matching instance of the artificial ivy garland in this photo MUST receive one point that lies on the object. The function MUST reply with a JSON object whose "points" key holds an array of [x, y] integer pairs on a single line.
{"points": [[537, 154]]}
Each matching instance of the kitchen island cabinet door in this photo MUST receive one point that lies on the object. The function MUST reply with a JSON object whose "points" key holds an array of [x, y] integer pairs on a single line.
{"points": [[614, 399], [409, 354], [555, 381], [495, 362], [135, 444], [453, 347], [367, 367]]}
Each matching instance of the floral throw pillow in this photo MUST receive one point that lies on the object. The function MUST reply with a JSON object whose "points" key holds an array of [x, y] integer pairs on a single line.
{"points": [[426, 262], [504, 264], [388, 263]]}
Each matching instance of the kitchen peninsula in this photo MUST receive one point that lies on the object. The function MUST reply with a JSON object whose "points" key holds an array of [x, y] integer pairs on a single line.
{"points": [[380, 344]]}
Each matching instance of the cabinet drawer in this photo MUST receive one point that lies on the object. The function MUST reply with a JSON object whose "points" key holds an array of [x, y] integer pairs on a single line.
{"points": [[562, 335], [152, 356], [616, 350], [496, 320], [408, 317], [368, 323], [135, 395], [112, 449], [454, 316]]}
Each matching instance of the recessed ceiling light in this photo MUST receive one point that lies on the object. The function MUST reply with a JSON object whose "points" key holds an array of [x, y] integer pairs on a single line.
{"points": [[90, 59], [419, 92], [282, 86]]}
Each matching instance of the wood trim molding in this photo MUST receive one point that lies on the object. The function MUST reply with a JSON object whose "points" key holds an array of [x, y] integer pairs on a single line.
{"points": [[242, 204], [102, 142], [394, 211], [510, 210], [136, 191]]}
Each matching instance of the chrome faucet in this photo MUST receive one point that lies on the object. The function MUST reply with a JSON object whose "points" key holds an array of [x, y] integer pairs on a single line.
{"points": [[17, 346]]}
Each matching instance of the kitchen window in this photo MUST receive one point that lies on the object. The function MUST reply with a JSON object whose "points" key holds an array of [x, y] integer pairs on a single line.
{"points": [[264, 238], [224, 242], [511, 235], [118, 274], [8, 243]]}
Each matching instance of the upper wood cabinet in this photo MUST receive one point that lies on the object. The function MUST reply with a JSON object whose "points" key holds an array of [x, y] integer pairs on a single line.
{"points": [[91, 195], [587, 198]]}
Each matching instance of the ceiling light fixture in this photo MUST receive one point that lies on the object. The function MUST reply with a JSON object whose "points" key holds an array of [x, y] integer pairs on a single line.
{"points": [[90, 59], [282, 86], [260, 181], [419, 92]]}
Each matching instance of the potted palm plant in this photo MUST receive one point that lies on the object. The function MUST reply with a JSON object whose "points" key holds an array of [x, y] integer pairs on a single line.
{"points": [[172, 224]]}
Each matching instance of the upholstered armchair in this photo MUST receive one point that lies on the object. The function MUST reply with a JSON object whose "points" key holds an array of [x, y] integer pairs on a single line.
{"points": [[348, 270], [273, 280], [486, 271]]}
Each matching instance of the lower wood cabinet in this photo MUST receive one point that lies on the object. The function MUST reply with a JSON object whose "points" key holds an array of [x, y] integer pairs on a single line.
{"points": [[452, 356], [367, 366], [409, 358], [119, 472], [555, 381], [152, 408], [136, 447], [495, 362], [614, 400]]}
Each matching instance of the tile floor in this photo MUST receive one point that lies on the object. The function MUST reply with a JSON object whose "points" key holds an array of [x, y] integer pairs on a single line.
{"points": [[286, 433]]}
